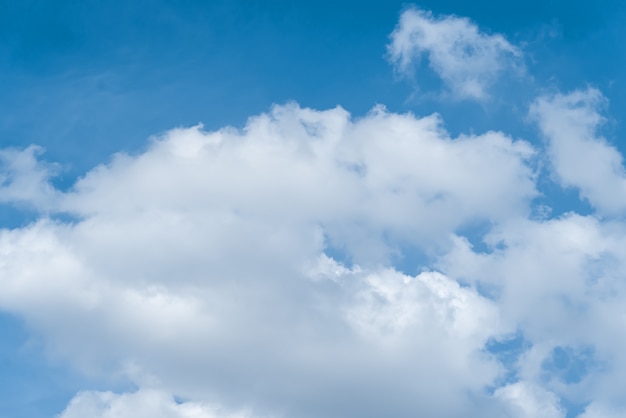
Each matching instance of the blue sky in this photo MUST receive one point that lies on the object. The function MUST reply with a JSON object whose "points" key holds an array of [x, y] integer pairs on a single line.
{"points": [[87, 80]]}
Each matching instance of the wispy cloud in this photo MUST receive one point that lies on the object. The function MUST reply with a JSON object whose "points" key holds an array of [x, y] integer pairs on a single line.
{"points": [[467, 60], [579, 155]]}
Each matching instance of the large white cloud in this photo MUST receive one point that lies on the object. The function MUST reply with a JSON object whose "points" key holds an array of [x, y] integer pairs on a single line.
{"points": [[198, 267], [467, 60]]}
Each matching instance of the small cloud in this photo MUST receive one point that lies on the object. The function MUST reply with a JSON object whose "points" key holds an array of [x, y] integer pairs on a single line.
{"points": [[579, 156], [25, 180], [467, 60]]}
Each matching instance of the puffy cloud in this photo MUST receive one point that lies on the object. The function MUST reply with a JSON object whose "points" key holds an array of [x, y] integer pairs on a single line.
{"points": [[467, 60], [202, 268], [385, 174], [278, 343], [199, 267], [579, 156]]}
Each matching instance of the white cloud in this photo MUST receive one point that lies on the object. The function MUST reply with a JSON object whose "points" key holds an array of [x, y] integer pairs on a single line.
{"points": [[24, 179], [598, 410], [198, 268], [143, 403], [201, 268], [393, 303], [579, 156], [528, 401], [560, 282], [386, 174], [280, 343], [467, 60]]}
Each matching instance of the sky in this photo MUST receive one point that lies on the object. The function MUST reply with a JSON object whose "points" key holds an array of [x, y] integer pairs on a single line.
{"points": [[246, 209]]}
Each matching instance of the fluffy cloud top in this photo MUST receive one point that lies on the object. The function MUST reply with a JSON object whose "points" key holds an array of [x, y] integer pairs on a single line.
{"points": [[467, 60]]}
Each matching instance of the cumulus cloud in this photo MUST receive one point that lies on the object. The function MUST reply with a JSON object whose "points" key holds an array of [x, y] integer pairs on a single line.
{"points": [[201, 267], [204, 268], [467, 60], [579, 155], [354, 181]]}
